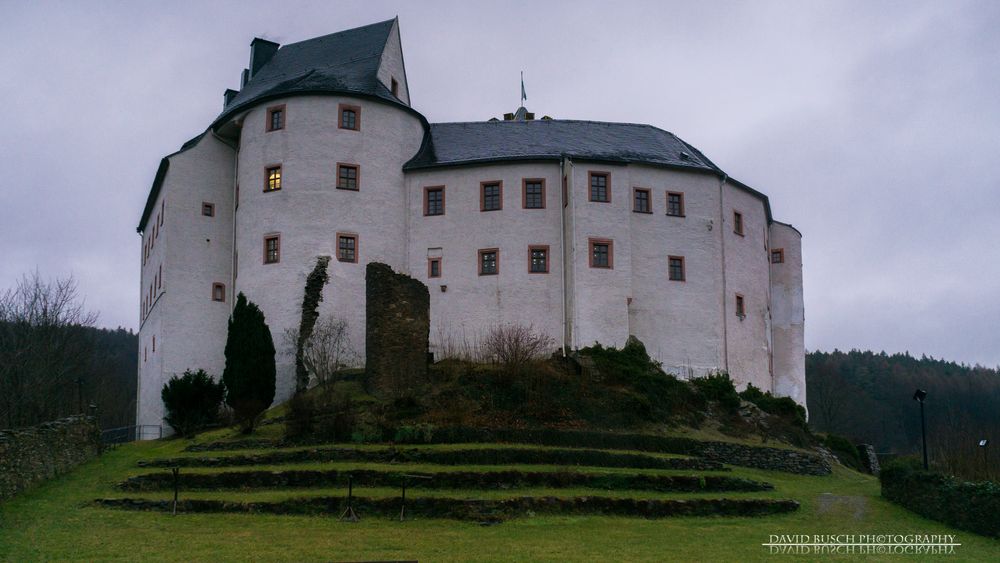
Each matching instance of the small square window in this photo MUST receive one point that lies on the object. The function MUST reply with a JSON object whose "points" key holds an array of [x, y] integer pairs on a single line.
{"points": [[208, 209], [778, 256], [601, 253], [491, 196], [489, 262], [676, 268], [347, 248], [350, 117], [641, 200], [600, 187], [538, 259], [741, 308], [738, 223], [534, 194], [434, 267], [272, 178], [675, 204], [272, 249], [434, 200], [348, 176], [218, 292], [276, 118]]}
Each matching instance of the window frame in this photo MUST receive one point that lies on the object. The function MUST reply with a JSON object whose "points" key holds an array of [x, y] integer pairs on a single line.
{"points": [[210, 207], [739, 227], [482, 195], [591, 242], [430, 269], [357, 116], [590, 186], [496, 261], [741, 306], [357, 247], [649, 200], [270, 118], [780, 253], [548, 258], [267, 177], [357, 176], [524, 191], [277, 249], [670, 272], [216, 287], [427, 200], [680, 197]]}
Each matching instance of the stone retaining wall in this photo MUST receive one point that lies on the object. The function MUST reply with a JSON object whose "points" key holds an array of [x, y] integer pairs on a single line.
{"points": [[34, 454]]}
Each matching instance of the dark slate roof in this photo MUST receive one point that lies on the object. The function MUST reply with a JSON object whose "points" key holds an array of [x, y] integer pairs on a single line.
{"points": [[343, 62], [550, 139]]}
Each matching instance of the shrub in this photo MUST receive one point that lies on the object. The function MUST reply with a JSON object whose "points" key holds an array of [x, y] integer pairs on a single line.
{"points": [[785, 407], [515, 346], [192, 401], [250, 370], [845, 451], [718, 387]]}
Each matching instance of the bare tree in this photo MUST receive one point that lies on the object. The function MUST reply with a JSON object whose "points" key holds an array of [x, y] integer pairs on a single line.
{"points": [[43, 349], [326, 351], [514, 346]]}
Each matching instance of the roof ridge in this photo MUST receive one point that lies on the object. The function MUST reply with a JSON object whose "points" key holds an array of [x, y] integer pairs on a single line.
{"points": [[557, 121], [339, 32]]}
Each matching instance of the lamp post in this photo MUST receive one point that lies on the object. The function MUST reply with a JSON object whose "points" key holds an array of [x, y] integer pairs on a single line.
{"points": [[919, 397], [986, 466]]}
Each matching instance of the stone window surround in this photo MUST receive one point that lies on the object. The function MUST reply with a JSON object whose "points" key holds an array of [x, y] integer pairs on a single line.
{"points": [[479, 266], [270, 119], [548, 258], [357, 176], [207, 209], [738, 226], [649, 200], [430, 271], [524, 192], [683, 268], [778, 253], [267, 176], [607, 185], [357, 247], [611, 252], [482, 194], [427, 200], [277, 237], [219, 292], [680, 196], [357, 116]]}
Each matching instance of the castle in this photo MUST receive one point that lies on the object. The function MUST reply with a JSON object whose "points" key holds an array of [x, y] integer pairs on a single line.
{"points": [[588, 231]]}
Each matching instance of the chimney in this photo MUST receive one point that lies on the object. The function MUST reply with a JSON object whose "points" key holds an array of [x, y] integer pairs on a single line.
{"points": [[261, 51], [244, 78], [229, 95]]}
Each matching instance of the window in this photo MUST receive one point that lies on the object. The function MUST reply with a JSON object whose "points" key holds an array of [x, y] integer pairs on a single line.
{"points": [[676, 268], [350, 117], [738, 223], [534, 193], [348, 176], [218, 292], [272, 249], [276, 118], [600, 188], [394, 87], [741, 307], [675, 204], [434, 200], [538, 259], [778, 256], [154, 343], [434, 267], [272, 178], [640, 198], [489, 262], [602, 253], [208, 209], [490, 196], [347, 247]]}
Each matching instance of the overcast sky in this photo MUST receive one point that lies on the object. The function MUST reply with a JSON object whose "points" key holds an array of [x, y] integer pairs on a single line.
{"points": [[874, 127]]}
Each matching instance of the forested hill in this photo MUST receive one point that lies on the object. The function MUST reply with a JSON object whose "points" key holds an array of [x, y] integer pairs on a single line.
{"points": [[868, 396], [45, 368]]}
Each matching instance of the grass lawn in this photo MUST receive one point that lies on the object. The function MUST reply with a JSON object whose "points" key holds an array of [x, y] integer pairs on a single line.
{"points": [[54, 521]]}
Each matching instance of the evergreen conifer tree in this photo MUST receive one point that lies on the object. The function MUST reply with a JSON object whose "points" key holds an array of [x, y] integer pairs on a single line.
{"points": [[250, 373]]}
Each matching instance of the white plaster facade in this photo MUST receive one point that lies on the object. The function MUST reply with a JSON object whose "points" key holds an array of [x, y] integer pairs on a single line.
{"points": [[691, 326]]}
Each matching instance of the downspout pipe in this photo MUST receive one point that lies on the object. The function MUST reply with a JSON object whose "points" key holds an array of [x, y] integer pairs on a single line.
{"points": [[725, 287]]}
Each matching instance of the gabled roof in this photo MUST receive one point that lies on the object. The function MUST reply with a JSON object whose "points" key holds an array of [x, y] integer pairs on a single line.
{"points": [[452, 144], [343, 62]]}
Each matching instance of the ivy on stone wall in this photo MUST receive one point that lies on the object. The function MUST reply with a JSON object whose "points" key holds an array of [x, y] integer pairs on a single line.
{"points": [[311, 299]]}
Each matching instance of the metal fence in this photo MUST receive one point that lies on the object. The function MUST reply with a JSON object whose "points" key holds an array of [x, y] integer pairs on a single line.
{"points": [[126, 434]]}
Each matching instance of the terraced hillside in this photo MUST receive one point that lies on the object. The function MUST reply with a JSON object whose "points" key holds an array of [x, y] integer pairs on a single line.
{"points": [[463, 501]]}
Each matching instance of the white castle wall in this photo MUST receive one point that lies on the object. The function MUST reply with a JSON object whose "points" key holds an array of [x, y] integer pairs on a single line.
{"points": [[309, 210], [788, 315], [391, 65]]}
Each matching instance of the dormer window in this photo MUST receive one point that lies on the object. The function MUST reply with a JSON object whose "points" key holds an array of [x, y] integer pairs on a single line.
{"points": [[276, 118], [350, 117]]}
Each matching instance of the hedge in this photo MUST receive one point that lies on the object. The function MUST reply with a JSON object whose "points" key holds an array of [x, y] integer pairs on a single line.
{"points": [[973, 507]]}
